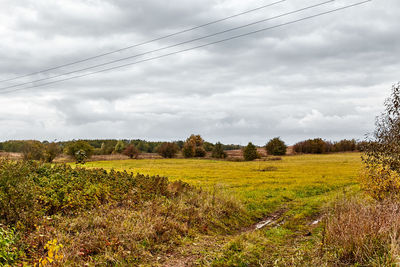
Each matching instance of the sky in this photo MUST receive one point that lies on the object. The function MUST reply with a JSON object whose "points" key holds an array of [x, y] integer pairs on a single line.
{"points": [[323, 77]]}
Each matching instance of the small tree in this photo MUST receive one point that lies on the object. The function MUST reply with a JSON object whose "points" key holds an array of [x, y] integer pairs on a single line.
{"points": [[131, 151], [193, 147], [218, 151], [51, 151], [250, 152], [188, 150], [276, 147], [33, 150], [84, 148], [119, 147], [168, 150]]}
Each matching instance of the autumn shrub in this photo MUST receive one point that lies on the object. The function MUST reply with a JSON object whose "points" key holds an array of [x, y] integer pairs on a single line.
{"points": [[51, 151], [218, 151], [193, 147], [381, 157], [361, 232], [79, 150], [131, 151], [168, 150], [33, 150], [9, 254], [276, 147], [250, 152], [92, 215]]}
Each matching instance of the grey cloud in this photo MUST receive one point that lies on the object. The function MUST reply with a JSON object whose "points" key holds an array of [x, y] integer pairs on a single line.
{"points": [[325, 77]]}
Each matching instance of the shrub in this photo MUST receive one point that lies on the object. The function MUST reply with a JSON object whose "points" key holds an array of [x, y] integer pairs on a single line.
{"points": [[79, 150], [168, 150], [250, 152], [276, 147], [119, 147], [193, 147], [362, 233], [51, 151], [131, 151], [8, 252], [199, 152], [218, 151], [382, 154], [188, 150], [33, 150], [313, 146]]}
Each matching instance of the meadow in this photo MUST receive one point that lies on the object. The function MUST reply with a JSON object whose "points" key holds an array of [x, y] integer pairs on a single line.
{"points": [[291, 195], [172, 212], [264, 186]]}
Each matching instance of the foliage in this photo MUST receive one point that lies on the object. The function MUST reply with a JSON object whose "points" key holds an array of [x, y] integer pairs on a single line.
{"points": [[193, 147], [79, 150], [360, 232], [380, 182], [119, 147], [97, 214], [218, 151], [208, 147], [384, 148], [320, 146], [51, 151], [8, 251], [131, 151], [33, 150], [168, 150], [276, 147], [250, 152]]}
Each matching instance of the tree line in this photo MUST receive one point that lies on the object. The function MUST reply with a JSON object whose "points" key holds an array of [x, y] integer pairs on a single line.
{"points": [[193, 147]]}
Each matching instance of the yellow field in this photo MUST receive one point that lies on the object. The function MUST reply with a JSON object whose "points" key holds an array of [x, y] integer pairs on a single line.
{"points": [[300, 183]]}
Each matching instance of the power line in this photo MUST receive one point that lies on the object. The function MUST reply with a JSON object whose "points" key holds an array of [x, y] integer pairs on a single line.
{"points": [[196, 47], [146, 42], [167, 47]]}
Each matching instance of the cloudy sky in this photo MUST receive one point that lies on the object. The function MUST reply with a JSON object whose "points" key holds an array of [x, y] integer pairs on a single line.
{"points": [[324, 77]]}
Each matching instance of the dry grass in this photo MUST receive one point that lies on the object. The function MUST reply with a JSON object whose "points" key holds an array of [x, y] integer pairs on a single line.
{"points": [[363, 231]]}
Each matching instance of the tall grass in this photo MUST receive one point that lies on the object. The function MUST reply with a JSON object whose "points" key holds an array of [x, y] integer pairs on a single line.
{"points": [[363, 232], [99, 217]]}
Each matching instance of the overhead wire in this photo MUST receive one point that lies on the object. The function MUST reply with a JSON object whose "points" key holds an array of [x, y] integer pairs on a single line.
{"points": [[196, 47], [145, 42], [167, 47]]}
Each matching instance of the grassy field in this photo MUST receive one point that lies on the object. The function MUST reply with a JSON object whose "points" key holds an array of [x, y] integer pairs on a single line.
{"points": [[92, 216], [293, 192], [264, 186]]}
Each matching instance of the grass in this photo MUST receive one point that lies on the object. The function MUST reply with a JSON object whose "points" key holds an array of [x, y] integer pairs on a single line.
{"points": [[89, 216], [300, 179], [299, 188]]}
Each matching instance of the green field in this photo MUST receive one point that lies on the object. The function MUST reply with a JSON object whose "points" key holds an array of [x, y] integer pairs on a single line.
{"points": [[103, 214], [293, 191], [262, 185]]}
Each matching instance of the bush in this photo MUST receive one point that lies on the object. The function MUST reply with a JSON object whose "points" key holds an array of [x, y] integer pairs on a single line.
{"points": [[313, 146], [276, 147], [218, 151], [250, 152], [131, 151], [79, 150], [381, 156], [193, 147], [363, 233], [168, 150], [200, 152], [51, 151], [8, 252], [33, 150], [119, 147], [109, 217]]}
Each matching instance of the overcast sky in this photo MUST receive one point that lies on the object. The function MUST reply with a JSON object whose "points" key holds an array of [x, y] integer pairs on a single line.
{"points": [[325, 77]]}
